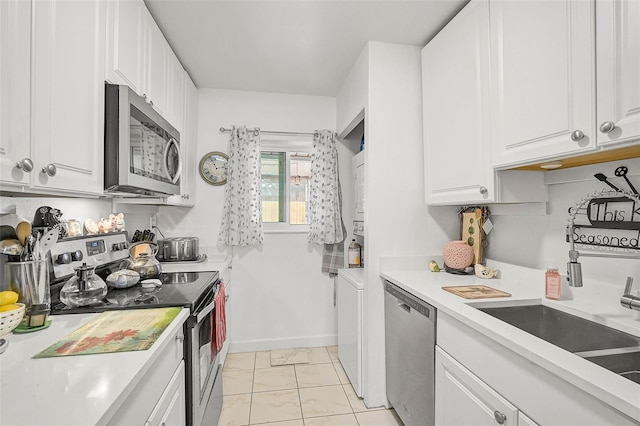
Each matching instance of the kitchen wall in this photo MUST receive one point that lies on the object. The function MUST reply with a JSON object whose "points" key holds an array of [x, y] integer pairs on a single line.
{"points": [[537, 241], [136, 217], [279, 297]]}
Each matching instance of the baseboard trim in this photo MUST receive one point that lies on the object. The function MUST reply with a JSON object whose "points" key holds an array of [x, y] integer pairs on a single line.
{"points": [[283, 343]]}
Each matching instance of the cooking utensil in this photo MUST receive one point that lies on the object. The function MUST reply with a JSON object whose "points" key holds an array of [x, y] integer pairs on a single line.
{"points": [[145, 265], [49, 240], [178, 249], [137, 235], [84, 288], [622, 172], [11, 247], [23, 230], [8, 232], [602, 178]]}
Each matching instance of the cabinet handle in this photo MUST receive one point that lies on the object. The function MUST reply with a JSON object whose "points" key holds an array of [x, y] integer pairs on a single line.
{"points": [[607, 127], [50, 170], [484, 190], [180, 338], [25, 164], [500, 417], [151, 103], [577, 135]]}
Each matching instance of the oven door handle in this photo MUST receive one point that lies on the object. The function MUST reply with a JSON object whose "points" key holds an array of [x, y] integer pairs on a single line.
{"points": [[205, 311]]}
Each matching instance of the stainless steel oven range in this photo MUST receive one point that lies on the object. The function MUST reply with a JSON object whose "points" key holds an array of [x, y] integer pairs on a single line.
{"points": [[194, 290]]}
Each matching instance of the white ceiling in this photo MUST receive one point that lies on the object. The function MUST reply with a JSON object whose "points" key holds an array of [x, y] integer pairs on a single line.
{"points": [[302, 47]]}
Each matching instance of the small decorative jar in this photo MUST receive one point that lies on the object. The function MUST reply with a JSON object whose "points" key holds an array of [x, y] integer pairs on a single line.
{"points": [[458, 255]]}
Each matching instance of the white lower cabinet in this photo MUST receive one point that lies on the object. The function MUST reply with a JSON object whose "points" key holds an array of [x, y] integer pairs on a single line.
{"points": [[463, 399], [171, 408], [159, 396], [481, 382]]}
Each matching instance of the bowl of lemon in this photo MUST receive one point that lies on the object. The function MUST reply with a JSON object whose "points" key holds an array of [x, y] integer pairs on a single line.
{"points": [[11, 312]]}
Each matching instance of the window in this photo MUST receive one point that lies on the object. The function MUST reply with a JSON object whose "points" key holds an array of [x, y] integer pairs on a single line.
{"points": [[285, 190]]}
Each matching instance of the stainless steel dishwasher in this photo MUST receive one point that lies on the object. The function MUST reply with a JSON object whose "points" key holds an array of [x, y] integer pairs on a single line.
{"points": [[410, 338]]}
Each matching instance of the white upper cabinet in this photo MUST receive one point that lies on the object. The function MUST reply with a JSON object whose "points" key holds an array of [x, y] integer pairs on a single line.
{"points": [[456, 84], [126, 23], [15, 122], [188, 146], [68, 95], [52, 100], [176, 92], [618, 65], [139, 56], [543, 76], [157, 66]]}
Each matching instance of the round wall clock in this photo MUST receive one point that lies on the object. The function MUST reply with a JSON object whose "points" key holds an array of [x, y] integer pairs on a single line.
{"points": [[213, 168]]}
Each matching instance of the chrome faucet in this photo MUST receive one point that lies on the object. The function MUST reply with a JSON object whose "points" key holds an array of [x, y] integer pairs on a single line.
{"points": [[574, 268], [627, 300]]}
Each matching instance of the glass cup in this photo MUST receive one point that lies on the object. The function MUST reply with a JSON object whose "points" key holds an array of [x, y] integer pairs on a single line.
{"points": [[31, 281]]}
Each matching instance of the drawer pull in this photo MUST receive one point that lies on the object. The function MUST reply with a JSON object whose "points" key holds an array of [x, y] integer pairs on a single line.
{"points": [[500, 417]]}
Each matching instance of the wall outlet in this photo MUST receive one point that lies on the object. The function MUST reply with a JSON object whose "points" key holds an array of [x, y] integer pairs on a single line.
{"points": [[153, 221]]}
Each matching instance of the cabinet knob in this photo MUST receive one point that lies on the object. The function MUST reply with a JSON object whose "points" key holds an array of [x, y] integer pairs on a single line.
{"points": [[484, 190], [50, 170], [577, 135], [180, 338], [500, 417], [25, 164], [607, 127]]}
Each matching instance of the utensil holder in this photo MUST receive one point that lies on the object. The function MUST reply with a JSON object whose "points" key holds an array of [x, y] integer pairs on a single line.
{"points": [[31, 281]]}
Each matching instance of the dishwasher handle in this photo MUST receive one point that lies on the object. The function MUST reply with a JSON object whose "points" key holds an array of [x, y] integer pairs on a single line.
{"points": [[408, 301]]}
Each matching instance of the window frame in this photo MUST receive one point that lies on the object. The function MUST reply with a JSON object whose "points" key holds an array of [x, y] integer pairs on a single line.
{"points": [[288, 147]]}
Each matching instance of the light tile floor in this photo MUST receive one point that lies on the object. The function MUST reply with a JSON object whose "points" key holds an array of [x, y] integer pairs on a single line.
{"points": [[317, 393]]}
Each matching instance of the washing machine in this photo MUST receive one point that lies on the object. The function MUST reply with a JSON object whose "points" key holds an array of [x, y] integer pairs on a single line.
{"points": [[349, 301]]}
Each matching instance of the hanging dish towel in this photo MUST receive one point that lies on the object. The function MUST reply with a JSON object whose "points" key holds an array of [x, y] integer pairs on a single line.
{"points": [[218, 321]]}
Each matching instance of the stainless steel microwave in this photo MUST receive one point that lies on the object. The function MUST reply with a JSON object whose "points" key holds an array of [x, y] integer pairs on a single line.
{"points": [[141, 149]]}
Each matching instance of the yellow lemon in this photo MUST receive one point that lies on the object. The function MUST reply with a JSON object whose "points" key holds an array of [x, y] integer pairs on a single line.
{"points": [[8, 297], [9, 307]]}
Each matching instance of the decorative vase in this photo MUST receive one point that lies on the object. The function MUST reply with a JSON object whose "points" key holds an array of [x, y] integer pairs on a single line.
{"points": [[458, 255]]}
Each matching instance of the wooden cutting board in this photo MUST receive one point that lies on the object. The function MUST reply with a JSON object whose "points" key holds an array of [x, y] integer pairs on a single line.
{"points": [[476, 291]]}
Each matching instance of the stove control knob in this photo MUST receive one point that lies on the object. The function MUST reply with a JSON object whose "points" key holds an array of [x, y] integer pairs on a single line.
{"points": [[115, 247], [64, 258], [124, 245], [76, 256]]}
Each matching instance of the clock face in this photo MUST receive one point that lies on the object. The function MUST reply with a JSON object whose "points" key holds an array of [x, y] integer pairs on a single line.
{"points": [[213, 168]]}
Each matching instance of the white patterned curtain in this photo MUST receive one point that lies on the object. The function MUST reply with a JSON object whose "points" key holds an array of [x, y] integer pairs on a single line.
{"points": [[325, 211], [242, 211]]}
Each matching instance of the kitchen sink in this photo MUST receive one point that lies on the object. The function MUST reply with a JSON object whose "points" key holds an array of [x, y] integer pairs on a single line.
{"points": [[607, 347], [564, 330], [626, 364]]}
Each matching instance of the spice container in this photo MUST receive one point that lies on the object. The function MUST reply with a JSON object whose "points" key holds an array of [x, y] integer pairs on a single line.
{"points": [[552, 282], [354, 254]]}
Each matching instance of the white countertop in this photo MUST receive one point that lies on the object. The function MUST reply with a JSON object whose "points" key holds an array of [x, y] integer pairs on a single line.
{"points": [[71, 390], [598, 302]]}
